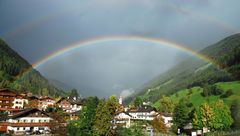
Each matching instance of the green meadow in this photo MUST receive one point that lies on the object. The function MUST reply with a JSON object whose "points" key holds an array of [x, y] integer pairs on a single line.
{"points": [[195, 97]]}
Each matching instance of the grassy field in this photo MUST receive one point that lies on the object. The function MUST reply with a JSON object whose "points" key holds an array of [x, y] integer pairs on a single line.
{"points": [[195, 97]]}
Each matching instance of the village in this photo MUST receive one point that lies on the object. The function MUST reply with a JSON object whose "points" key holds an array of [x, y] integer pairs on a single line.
{"points": [[25, 113]]}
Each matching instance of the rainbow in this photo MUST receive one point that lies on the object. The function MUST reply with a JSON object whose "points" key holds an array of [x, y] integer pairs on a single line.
{"points": [[103, 40]]}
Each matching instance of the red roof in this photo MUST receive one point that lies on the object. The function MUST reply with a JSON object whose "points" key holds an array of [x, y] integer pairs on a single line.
{"points": [[4, 125], [29, 124]]}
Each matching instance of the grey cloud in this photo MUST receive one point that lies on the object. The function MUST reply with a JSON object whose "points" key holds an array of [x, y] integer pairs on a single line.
{"points": [[38, 28]]}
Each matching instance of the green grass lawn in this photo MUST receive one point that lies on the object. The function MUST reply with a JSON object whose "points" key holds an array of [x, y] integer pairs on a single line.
{"points": [[196, 98]]}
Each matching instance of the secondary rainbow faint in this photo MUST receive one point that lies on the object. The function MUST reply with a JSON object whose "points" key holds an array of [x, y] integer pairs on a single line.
{"points": [[38, 21]]}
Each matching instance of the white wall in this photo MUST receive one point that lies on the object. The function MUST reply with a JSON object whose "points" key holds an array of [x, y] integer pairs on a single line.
{"points": [[142, 115], [29, 119], [23, 129], [19, 103]]}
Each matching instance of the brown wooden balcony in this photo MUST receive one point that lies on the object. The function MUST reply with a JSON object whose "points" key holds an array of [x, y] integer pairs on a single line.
{"points": [[25, 124]]}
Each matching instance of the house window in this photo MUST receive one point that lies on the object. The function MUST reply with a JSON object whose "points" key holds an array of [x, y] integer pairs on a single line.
{"points": [[24, 128], [32, 121], [7, 101], [17, 128]]}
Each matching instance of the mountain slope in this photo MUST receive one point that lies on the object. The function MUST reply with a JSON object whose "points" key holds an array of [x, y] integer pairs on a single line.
{"points": [[18, 74], [195, 72], [60, 85]]}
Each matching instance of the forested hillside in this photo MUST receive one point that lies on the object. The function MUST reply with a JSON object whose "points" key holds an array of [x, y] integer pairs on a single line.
{"points": [[196, 72], [13, 74]]}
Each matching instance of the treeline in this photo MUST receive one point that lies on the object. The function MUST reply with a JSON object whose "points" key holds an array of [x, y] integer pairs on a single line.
{"points": [[210, 90], [227, 54], [16, 73]]}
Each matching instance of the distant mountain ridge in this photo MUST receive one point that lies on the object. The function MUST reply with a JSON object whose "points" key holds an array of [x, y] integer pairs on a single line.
{"points": [[196, 72], [16, 73]]}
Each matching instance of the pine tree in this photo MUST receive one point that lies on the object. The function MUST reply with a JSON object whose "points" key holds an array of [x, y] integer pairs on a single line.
{"points": [[84, 126], [181, 114]]}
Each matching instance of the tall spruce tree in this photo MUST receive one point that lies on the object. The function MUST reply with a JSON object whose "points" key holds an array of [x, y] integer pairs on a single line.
{"points": [[84, 126], [181, 114]]}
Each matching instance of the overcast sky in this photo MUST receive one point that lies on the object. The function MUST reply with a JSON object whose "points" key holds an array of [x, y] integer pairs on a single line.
{"points": [[36, 28]]}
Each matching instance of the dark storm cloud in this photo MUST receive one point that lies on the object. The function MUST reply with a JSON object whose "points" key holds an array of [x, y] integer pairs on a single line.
{"points": [[37, 28]]}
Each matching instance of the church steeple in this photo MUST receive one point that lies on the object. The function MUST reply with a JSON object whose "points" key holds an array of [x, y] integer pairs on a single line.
{"points": [[120, 100]]}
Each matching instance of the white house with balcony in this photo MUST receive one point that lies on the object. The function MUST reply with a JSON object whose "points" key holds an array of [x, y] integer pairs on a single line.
{"points": [[70, 105], [123, 119], [144, 112], [28, 120]]}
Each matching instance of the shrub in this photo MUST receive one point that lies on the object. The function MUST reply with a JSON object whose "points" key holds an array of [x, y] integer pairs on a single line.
{"points": [[227, 94]]}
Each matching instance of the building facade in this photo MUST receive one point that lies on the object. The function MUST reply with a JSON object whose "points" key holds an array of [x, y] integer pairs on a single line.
{"points": [[45, 102], [69, 105], [7, 97], [123, 119], [143, 113], [28, 120], [19, 102]]}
